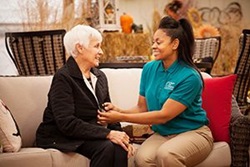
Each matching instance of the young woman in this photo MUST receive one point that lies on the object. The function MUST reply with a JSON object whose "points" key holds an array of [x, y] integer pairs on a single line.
{"points": [[170, 101], [77, 91]]}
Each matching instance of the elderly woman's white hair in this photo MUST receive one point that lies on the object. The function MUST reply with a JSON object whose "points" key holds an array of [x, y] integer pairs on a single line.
{"points": [[80, 34]]}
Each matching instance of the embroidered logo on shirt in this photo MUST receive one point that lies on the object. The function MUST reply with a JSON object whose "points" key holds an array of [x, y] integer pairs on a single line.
{"points": [[169, 85]]}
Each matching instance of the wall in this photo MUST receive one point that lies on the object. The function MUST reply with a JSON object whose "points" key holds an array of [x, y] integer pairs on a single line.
{"points": [[142, 10]]}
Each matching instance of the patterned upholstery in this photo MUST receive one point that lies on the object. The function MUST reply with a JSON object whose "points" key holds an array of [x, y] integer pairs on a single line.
{"points": [[206, 52], [240, 136], [242, 85], [36, 52]]}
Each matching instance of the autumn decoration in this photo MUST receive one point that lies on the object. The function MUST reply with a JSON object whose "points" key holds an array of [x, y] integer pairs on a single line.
{"points": [[126, 22], [206, 30]]}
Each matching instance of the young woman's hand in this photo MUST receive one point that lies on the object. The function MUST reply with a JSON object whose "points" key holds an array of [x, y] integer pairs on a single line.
{"points": [[109, 106], [110, 116]]}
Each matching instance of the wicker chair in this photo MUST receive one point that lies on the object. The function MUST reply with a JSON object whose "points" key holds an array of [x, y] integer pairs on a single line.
{"points": [[242, 85], [36, 52], [206, 52], [239, 136]]}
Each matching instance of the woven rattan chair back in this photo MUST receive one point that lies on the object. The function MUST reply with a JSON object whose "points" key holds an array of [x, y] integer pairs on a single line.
{"points": [[206, 52], [242, 84], [36, 52]]}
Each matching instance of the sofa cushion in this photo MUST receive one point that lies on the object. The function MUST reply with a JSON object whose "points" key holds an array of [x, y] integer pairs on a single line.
{"points": [[68, 159], [28, 95], [27, 157], [214, 158], [10, 138], [216, 100]]}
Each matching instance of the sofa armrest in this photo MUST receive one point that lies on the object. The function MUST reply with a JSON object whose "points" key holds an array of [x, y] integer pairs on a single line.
{"points": [[239, 136]]}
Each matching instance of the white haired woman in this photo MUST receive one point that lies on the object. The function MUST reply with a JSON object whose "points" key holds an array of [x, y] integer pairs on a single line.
{"points": [[77, 92]]}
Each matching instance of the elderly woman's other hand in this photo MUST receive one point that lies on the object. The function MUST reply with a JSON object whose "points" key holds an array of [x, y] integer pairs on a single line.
{"points": [[120, 138]]}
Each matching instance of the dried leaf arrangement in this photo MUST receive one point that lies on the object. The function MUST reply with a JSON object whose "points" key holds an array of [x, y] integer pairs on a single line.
{"points": [[47, 15]]}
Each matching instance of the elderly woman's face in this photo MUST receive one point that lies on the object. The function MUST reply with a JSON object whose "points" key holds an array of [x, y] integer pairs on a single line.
{"points": [[93, 53]]}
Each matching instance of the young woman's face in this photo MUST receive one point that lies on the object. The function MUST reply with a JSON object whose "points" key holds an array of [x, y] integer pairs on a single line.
{"points": [[162, 45], [93, 53]]}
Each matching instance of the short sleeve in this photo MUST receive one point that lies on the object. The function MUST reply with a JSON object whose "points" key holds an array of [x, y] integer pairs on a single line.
{"points": [[187, 90], [143, 81]]}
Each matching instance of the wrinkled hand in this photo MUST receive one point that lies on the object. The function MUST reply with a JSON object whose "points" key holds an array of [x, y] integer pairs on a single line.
{"points": [[120, 138], [131, 150], [103, 123], [109, 117]]}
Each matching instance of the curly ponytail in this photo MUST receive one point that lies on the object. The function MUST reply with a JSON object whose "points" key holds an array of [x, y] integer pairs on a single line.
{"points": [[188, 45]]}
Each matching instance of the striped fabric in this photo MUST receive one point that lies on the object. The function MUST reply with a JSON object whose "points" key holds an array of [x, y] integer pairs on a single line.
{"points": [[36, 52], [207, 50], [242, 85]]}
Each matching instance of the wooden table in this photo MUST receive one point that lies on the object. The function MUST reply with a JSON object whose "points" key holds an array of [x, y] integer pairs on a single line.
{"points": [[121, 65]]}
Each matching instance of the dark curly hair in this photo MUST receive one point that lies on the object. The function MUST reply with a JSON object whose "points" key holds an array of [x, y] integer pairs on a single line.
{"points": [[174, 6]]}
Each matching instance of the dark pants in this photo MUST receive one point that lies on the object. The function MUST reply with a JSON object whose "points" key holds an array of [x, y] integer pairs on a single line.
{"points": [[104, 153]]}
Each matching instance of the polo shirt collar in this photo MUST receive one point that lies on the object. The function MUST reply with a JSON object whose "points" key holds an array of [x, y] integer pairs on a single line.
{"points": [[171, 69]]}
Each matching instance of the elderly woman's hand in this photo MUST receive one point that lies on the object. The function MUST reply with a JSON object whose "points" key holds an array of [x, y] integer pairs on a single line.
{"points": [[131, 150], [103, 123], [120, 138]]}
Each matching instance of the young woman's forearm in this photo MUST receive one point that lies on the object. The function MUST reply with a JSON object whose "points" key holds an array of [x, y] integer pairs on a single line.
{"points": [[132, 110], [139, 108], [148, 118]]}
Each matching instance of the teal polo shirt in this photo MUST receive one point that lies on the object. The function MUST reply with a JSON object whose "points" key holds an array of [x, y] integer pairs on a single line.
{"points": [[180, 83]]}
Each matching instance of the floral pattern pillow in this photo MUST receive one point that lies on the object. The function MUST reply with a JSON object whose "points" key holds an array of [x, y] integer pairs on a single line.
{"points": [[10, 137]]}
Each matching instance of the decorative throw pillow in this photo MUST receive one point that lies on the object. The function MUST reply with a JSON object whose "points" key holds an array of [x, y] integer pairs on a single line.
{"points": [[217, 101], [138, 133], [10, 138]]}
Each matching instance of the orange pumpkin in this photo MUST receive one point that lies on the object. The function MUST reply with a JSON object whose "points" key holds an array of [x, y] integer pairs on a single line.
{"points": [[126, 22]]}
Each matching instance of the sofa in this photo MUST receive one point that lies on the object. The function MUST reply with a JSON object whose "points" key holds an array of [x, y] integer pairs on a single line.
{"points": [[26, 98]]}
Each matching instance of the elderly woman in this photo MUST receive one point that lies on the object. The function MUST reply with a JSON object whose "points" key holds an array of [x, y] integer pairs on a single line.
{"points": [[77, 92]]}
